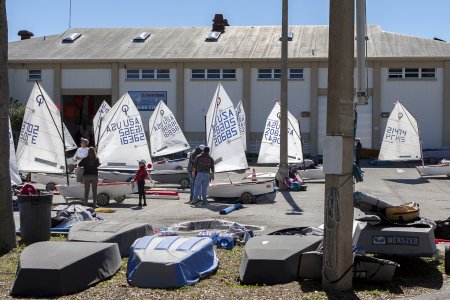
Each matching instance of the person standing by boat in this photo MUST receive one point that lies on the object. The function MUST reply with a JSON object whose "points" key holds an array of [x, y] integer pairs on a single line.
{"points": [[81, 153], [198, 150], [203, 170], [90, 166], [358, 147], [139, 178]]}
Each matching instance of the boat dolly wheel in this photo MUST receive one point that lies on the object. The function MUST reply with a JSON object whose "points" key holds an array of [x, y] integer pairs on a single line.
{"points": [[184, 183], [119, 199], [50, 186], [102, 199], [247, 198], [447, 260]]}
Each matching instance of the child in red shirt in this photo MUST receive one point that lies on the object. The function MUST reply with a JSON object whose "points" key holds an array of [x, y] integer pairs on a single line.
{"points": [[139, 178]]}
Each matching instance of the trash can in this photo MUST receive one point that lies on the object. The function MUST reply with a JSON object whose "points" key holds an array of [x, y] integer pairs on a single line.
{"points": [[35, 217]]}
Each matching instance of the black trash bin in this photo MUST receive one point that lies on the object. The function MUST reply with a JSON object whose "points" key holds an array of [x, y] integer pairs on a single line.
{"points": [[35, 217]]}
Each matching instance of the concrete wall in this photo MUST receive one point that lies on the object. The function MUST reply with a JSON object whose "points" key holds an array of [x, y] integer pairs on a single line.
{"points": [[423, 98], [198, 96], [86, 79], [20, 87]]}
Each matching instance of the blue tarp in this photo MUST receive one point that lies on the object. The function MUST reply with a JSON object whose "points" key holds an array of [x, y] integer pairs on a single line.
{"points": [[170, 261]]}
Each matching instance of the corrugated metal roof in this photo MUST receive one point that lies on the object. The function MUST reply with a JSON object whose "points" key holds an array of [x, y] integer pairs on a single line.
{"points": [[188, 43]]}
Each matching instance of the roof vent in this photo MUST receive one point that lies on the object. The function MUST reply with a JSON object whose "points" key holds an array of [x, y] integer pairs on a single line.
{"points": [[141, 37], [71, 37], [219, 23], [213, 36], [290, 36], [25, 34], [438, 39]]}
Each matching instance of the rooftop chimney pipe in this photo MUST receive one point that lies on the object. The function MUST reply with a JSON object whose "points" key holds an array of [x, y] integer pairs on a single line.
{"points": [[219, 23], [25, 34]]}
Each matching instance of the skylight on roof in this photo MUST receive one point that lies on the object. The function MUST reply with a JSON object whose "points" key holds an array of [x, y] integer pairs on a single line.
{"points": [[213, 36], [71, 37], [290, 36], [141, 37]]}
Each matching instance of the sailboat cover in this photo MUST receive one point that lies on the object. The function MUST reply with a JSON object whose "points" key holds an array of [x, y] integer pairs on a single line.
{"points": [[166, 136], [270, 144], [98, 118], [13, 170], [240, 114], [122, 140], [222, 134], [401, 139], [40, 147]]}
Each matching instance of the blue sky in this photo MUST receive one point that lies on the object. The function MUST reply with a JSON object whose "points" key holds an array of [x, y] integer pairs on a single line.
{"points": [[46, 17]]}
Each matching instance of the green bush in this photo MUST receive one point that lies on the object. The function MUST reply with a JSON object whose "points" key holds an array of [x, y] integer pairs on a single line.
{"points": [[16, 113]]}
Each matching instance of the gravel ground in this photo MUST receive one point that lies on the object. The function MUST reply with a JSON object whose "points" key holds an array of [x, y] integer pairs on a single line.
{"points": [[224, 284]]}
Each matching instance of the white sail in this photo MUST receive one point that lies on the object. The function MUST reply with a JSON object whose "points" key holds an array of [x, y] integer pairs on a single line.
{"points": [[98, 118], [13, 170], [222, 134], [240, 114], [401, 138], [122, 140], [270, 144], [166, 136], [40, 147]]}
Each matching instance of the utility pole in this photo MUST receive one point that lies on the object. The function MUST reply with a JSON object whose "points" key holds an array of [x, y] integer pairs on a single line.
{"points": [[283, 167], [338, 152]]}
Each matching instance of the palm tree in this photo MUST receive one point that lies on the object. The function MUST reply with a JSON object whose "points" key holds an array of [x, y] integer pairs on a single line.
{"points": [[7, 227]]}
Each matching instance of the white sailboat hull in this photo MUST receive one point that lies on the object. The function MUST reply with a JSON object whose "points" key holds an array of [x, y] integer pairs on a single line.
{"points": [[312, 174], [112, 189], [432, 170], [176, 164], [236, 189], [115, 176], [48, 178]]}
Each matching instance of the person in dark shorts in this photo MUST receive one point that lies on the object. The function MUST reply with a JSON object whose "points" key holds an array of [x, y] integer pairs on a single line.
{"points": [[358, 147]]}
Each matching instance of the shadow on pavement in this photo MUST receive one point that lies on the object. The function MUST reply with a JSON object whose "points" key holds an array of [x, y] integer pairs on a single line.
{"points": [[296, 210], [413, 181]]}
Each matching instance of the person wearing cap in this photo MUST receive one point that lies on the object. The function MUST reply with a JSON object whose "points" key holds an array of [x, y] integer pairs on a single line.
{"points": [[203, 170], [139, 178], [81, 153], [90, 165], [198, 150]]}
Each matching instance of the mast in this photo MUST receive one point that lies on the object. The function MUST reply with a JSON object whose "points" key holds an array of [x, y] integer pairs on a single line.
{"points": [[361, 79], [61, 134]]}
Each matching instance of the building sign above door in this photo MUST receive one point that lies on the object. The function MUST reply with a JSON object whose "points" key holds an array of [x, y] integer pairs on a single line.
{"points": [[147, 100]]}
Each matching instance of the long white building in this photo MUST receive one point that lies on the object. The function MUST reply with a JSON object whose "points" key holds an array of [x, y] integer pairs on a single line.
{"points": [[81, 67]]}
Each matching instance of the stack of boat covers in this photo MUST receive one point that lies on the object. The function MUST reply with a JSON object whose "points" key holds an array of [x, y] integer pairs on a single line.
{"points": [[122, 233]]}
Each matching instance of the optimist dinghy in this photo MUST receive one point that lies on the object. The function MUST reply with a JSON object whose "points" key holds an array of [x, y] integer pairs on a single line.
{"points": [[166, 137], [122, 141], [105, 191], [401, 142], [224, 140], [40, 148], [269, 152]]}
